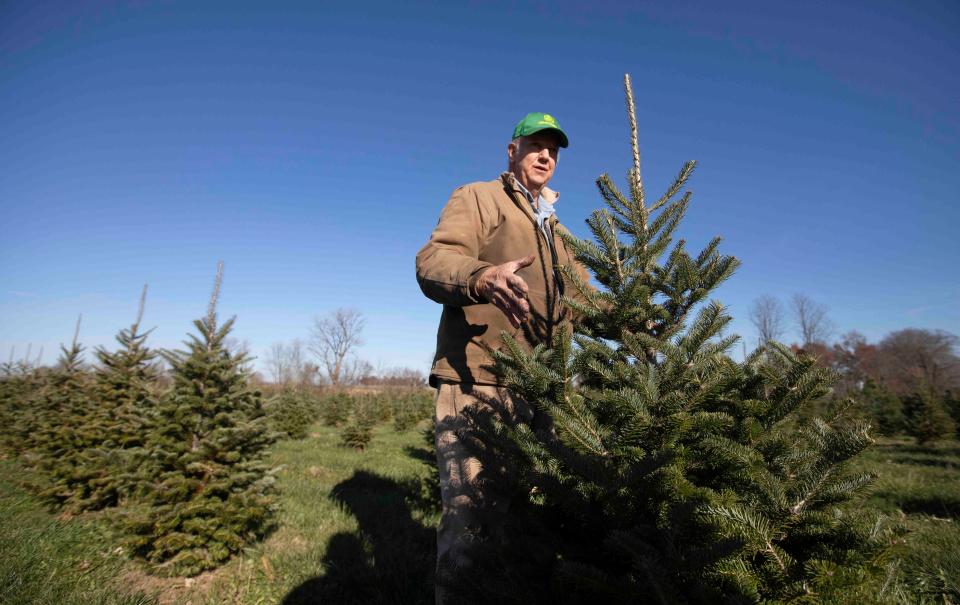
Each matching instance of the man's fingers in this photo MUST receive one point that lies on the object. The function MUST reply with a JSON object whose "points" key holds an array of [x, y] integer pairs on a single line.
{"points": [[518, 285], [515, 265], [516, 309], [511, 303], [508, 292]]}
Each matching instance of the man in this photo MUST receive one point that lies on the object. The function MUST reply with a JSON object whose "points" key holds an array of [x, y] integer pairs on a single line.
{"points": [[492, 263]]}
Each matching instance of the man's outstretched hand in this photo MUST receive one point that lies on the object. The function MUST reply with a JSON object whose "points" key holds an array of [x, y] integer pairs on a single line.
{"points": [[501, 286]]}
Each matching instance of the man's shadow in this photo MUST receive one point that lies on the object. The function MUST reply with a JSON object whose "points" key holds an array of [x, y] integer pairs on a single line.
{"points": [[390, 559]]}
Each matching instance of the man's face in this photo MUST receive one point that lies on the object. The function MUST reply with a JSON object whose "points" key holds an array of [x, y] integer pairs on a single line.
{"points": [[533, 158]]}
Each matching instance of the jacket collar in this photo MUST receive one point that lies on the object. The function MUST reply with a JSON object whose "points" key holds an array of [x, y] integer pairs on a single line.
{"points": [[549, 195]]}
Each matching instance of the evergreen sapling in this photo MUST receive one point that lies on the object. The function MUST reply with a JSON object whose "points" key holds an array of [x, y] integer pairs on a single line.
{"points": [[358, 432], [291, 413], [926, 416], [209, 492], [21, 381], [883, 407], [335, 408], [109, 438], [48, 427]]}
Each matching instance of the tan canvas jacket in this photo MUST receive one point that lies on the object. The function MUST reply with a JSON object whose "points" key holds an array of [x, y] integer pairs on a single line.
{"points": [[486, 224]]}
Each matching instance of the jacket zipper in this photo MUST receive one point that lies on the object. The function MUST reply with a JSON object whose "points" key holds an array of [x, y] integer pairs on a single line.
{"points": [[554, 257]]}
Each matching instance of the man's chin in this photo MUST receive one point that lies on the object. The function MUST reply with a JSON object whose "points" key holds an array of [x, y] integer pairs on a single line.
{"points": [[539, 180]]}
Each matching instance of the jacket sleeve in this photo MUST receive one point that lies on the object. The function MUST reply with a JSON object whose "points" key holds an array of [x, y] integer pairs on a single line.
{"points": [[449, 265]]}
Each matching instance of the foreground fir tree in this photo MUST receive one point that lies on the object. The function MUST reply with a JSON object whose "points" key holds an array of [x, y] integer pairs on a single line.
{"points": [[676, 475], [100, 470], [209, 491]]}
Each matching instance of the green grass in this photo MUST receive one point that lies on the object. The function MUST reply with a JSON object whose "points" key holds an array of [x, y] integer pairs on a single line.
{"points": [[358, 527], [920, 488], [47, 560], [353, 527]]}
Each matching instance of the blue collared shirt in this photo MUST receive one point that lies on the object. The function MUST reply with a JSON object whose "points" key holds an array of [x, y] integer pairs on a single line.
{"points": [[542, 209]]}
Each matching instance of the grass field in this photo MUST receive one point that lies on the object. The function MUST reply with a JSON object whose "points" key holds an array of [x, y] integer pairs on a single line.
{"points": [[920, 487], [358, 527], [353, 527]]}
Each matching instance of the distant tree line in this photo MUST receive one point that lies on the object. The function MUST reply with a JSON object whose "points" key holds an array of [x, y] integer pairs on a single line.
{"points": [[908, 383]]}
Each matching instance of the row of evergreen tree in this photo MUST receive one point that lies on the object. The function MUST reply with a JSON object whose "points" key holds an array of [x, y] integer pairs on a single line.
{"points": [[926, 415], [179, 456], [182, 465], [185, 465], [293, 410]]}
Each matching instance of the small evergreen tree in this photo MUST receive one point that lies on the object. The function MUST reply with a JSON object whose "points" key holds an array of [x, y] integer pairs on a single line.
{"points": [[382, 405], [291, 413], [358, 431], [410, 408], [926, 418], [209, 492], [883, 407], [404, 417], [951, 402], [101, 467], [20, 383], [675, 474], [335, 408], [48, 427]]}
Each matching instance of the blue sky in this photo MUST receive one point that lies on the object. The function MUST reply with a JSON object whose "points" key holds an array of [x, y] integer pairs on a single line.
{"points": [[311, 146]]}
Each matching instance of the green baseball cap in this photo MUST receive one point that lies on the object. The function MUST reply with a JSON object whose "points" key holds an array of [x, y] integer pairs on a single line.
{"points": [[535, 122]]}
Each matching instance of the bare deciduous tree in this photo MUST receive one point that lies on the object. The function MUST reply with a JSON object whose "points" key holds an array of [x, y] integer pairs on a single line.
{"points": [[286, 364], [766, 314], [309, 373], [811, 318], [356, 371], [277, 363], [241, 348], [333, 337], [297, 364]]}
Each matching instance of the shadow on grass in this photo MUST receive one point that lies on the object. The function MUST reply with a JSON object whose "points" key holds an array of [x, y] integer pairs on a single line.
{"points": [[926, 450], [937, 506], [423, 454], [389, 560], [919, 460]]}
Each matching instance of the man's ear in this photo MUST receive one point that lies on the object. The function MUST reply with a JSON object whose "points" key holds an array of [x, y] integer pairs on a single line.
{"points": [[511, 149]]}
